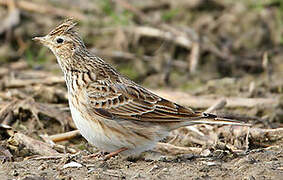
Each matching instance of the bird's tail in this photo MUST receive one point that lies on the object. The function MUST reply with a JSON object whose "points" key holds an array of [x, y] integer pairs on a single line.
{"points": [[207, 118]]}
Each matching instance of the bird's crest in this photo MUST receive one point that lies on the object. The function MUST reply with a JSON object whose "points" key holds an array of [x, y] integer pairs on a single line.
{"points": [[64, 27]]}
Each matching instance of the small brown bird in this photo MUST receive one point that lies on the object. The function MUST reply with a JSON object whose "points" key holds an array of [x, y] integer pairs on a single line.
{"points": [[112, 112]]}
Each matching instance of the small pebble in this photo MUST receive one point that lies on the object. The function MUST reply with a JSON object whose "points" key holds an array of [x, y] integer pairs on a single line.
{"points": [[205, 153], [153, 168], [91, 170], [209, 163], [41, 167], [72, 165], [165, 169]]}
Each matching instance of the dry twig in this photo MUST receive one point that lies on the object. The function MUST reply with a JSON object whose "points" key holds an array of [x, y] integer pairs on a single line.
{"points": [[175, 150], [5, 154], [179, 39], [4, 112], [46, 9], [12, 19], [205, 102], [46, 109], [134, 10], [17, 83], [58, 147], [255, 134], [35, 146], [218, 105], [64, 136], [194, 58]]}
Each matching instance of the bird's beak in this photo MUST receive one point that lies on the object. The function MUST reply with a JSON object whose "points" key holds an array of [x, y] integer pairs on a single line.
{"points": [[42, 40]]}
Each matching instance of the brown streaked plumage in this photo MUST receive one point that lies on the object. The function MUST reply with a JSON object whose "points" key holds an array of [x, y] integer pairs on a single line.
{"points": [[111, 111]]}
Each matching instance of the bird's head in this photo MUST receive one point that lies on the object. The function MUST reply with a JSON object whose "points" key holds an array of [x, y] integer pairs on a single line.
{"points": [[63, 40]]}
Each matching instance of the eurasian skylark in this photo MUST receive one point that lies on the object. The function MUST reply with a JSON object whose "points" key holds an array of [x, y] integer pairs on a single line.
{"points": [[112, 112]]}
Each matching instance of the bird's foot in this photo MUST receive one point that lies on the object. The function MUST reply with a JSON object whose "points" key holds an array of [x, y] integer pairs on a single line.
{"points": [[104, 155], [99, 154]]}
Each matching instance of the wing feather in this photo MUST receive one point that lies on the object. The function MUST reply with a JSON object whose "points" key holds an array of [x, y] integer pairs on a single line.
{"points": [[130, 101]]}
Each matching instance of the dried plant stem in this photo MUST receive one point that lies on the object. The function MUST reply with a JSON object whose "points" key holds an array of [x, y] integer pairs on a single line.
{"points": [[17, 83], [194, 58], [46, 9], [218, 105], [64, 136], [175, 150], [58, 147], [8, 108], [205, 102], [35, 146], [179, 39]]}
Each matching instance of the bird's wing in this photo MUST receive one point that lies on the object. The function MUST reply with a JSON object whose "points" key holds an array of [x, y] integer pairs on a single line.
{"points": [[130, 101]]}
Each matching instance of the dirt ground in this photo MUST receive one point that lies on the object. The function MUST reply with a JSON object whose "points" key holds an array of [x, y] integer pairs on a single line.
{"points": [[258, 164], [224, 57], [263, 164]]}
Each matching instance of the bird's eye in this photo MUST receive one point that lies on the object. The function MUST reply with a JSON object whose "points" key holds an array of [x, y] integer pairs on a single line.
{"points": [[59, 40]]}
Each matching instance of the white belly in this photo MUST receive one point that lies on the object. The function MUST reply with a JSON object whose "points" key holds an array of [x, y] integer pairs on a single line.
{"points": [[92, 132], [95, 135]]}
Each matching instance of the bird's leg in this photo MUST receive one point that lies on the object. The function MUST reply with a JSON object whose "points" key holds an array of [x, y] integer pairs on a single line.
{"points": [[96, 155], [112, 154]]}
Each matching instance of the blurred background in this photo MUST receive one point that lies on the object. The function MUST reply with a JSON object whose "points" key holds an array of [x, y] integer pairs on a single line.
{"points": [[217, 47], [194, 52], [180, 44], [161, 43]]}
